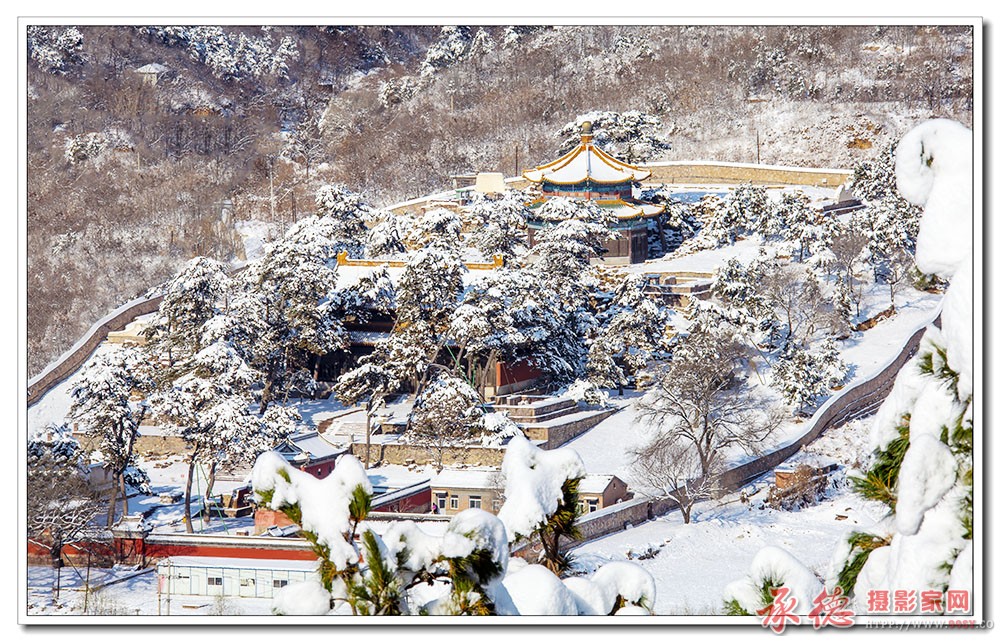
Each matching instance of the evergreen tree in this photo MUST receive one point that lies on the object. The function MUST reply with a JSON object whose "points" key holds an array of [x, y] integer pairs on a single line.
{"points": [[102, 404], [746, 211], [197, 293], [501, 229], [343, 214], [448, 412], [210, 406]]}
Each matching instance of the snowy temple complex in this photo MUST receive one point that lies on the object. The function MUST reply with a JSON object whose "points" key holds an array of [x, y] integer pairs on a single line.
{"points": [[587, 172]]}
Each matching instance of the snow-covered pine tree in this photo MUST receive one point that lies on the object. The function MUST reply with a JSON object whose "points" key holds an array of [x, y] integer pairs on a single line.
{"points": [[923, 433], [197, 293], [631, 335], [386, 237], [502, 226], [577, 231], [293, 287], [448, 412], [746, 211], [103, 407], [209, 405], [438, 228], [800, 375], [796, 222], [344, 214], [541, 489], [429, 289], [373, 293]]}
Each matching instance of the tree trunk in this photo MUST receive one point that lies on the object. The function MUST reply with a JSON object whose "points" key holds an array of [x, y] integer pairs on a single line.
{"points": [[206, 514], [368, 436], [187, 497], [124, 491], [112, 503]]}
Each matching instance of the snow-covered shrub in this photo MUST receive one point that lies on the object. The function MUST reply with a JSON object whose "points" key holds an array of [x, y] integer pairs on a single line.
{"points": [[772, 568], [497, 428], [302, 598], [83, 147], [451, 46], [53, 50], [586, 391]]}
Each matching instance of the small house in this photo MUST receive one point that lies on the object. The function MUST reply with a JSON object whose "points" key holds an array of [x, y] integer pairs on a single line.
{"points": [[598, 491], [152, 73], [455, 490]]}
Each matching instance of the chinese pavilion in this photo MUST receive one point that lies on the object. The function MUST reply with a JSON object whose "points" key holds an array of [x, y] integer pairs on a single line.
{"points": [[589, 173]]}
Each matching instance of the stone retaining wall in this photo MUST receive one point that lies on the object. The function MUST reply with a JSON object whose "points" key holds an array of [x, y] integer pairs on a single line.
{"points": [[735, 173], [404, 453], [72, 360]]}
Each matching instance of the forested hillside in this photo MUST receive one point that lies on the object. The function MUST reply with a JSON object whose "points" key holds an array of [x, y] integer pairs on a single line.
{"points": [[128, 177]]}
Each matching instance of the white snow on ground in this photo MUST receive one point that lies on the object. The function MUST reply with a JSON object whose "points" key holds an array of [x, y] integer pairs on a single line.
{"points": [[132, 597], [255, 233], [694, 563], [53, 406]]}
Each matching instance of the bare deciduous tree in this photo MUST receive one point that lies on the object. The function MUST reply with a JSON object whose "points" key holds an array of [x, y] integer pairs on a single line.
{"points": [[849, 248], [702, 399], [669, 465], [60, 503], [799, 302]]}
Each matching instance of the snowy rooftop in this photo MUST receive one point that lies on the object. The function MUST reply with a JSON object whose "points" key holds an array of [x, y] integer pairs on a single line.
{"points": [[231, 562], [153, 67], [475, 479], [595, 483], [586, 162], [313, 444], [393, 477]]}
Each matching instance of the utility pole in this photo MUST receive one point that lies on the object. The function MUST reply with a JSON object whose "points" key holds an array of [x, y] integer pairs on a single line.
{"points": [[758, 146]]}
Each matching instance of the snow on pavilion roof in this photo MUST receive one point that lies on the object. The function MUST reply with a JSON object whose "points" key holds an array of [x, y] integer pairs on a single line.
{"points": [[586, 162], [622, 209]]}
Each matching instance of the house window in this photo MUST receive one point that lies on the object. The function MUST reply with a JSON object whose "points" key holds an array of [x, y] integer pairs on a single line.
{"points": [[454, 502], [476, 502], [245, 583], [215, 580], [496, 505], [442, 500], [593, 504], [280, 583]]}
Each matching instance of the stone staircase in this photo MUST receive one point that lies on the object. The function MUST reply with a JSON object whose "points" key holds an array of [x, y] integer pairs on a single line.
{"points": [[549, 420]]}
